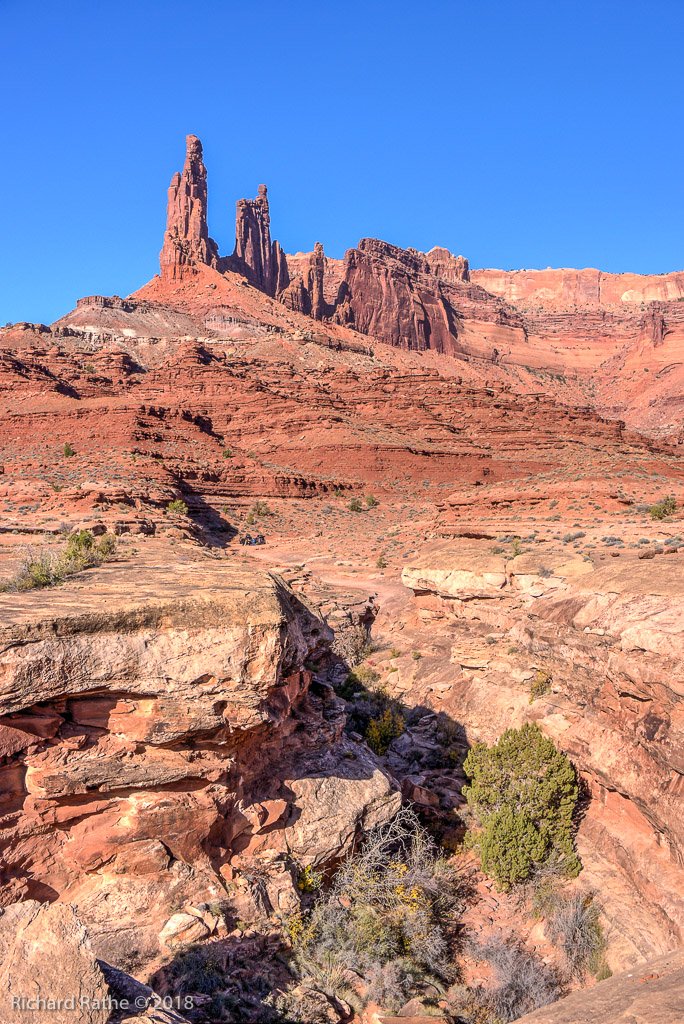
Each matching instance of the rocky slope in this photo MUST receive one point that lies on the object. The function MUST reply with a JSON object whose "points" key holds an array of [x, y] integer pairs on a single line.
{"points": [[653, 993]]}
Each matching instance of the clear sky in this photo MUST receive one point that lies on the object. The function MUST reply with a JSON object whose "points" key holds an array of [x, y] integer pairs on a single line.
{"points": [[521, 134]]}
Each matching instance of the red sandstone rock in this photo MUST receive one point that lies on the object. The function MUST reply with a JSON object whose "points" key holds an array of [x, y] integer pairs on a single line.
{"points": [[263, 263], [187, 238]]}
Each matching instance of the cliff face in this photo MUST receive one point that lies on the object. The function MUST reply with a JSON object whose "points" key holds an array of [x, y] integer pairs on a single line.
{"points": [[609, 638], [155, 744], [401, 297]]}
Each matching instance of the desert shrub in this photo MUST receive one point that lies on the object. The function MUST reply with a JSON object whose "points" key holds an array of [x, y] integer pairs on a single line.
{"points": [[363, 676], [544, 572], [569, 537], [89, 368], [250, 519], [384, 914], [178, 507], [309, 879], [260, 508], [541, 684], [355, 505], [353, 644], [663, 508], [575, 927], [193, 970], [49, 569], [394, 652], [382, 730], [227, 453], [389, 984], [371, 500], [522, 981], [516, 546], [381, 562], [523, 792], [416, 655], [68, 450]]}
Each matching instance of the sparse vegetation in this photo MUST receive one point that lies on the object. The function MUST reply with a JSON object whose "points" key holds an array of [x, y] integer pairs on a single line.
{"points": [[575, 928], [309, 879], [68, 451], [177, 507], [355, 505], [523, 792], [662, 509], [381, 562], [523, 982], [383, 729], [541, 684], [383, 918], [371, 500], [49, 569]]}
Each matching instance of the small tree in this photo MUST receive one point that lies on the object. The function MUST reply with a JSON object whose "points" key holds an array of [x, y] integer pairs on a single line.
{"points": [[523, 792], [68, 451], [663, 508], [178, 507]]}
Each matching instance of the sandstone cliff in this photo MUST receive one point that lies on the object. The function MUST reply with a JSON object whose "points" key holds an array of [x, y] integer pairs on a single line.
{"points": [[159, 736]]}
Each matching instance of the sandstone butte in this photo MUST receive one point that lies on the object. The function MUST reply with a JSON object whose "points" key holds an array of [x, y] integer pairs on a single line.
{"points": [[458, 463]]}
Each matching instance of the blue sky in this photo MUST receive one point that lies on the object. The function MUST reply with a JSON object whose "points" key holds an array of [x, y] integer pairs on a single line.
{"points": [[521, 134]]}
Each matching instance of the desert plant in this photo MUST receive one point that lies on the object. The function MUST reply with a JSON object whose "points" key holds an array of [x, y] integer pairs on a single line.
{"points": [[387, 905], [68, 451], [355, 505], [382, 730], [541, 684], [177, 507], [575, 927], [523, 982], [260, 508], [381, 562], [523, 792], [662, 509], [309, 879], [371, 500], [49, 569]]}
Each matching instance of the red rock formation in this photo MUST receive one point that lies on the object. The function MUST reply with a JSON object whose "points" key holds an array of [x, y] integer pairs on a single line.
{"points": [[187, 239], [261, 261], [397, 296], [164, 735], [306, 292], [443, 264]]}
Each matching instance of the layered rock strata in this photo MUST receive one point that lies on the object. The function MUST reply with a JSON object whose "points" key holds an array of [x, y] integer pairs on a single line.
{"points": [[160, 735]]}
